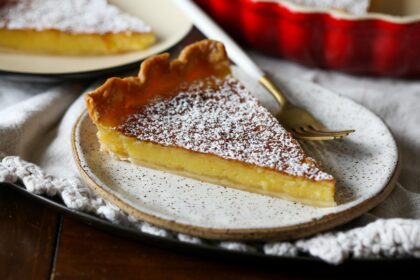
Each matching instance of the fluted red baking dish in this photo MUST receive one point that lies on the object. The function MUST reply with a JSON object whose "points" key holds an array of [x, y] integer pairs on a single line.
{"points": [[374, 44]]}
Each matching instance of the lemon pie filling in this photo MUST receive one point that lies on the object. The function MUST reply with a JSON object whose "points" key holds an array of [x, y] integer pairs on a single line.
{"points": [[213, 169], [55, 42]]}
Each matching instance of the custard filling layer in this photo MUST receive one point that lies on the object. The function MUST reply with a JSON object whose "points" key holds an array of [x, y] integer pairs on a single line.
{"points": [[218, 170], [55, 42]]}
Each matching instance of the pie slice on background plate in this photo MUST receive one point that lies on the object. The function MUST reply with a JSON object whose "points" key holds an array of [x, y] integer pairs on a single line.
{"points": [[190, 116], [71, 27]]}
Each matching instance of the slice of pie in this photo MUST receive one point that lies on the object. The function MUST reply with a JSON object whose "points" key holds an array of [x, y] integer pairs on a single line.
{"points": [[70, 27], [190, 116]]}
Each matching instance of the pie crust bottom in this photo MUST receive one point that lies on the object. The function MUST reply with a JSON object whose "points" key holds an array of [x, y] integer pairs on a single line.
{"points": [[56, 42], [217, 170]]}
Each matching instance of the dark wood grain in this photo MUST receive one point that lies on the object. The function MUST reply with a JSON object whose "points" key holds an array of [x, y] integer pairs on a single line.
{"points": [[86, 253], [27, 237]]}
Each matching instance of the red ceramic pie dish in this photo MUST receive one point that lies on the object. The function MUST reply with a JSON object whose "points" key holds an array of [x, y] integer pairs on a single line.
{"points": [[374, 44]]}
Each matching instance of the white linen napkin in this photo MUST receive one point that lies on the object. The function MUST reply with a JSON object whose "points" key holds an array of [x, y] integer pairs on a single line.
{"points": [[35, 126]]}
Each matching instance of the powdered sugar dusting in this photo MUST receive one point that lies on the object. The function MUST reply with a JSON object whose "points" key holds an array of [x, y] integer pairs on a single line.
{"points": [[77, 16], [225, 120]]}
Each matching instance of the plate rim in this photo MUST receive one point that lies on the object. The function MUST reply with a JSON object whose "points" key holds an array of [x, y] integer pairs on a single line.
{"points": [[268, 233]]}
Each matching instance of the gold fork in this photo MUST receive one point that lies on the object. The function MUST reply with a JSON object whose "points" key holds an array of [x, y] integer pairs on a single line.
{"points": [[297, 120]]}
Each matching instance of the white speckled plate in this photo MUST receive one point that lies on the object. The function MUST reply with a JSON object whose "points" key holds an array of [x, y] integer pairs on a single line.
{"points": [[365, 165], [168, 23]]}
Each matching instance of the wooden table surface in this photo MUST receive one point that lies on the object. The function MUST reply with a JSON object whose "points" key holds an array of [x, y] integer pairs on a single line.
{"points": [[38, 243]]}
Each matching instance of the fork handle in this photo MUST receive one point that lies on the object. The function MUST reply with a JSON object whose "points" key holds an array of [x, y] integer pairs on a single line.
{"points": [[274, 90], [209, 28]]}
